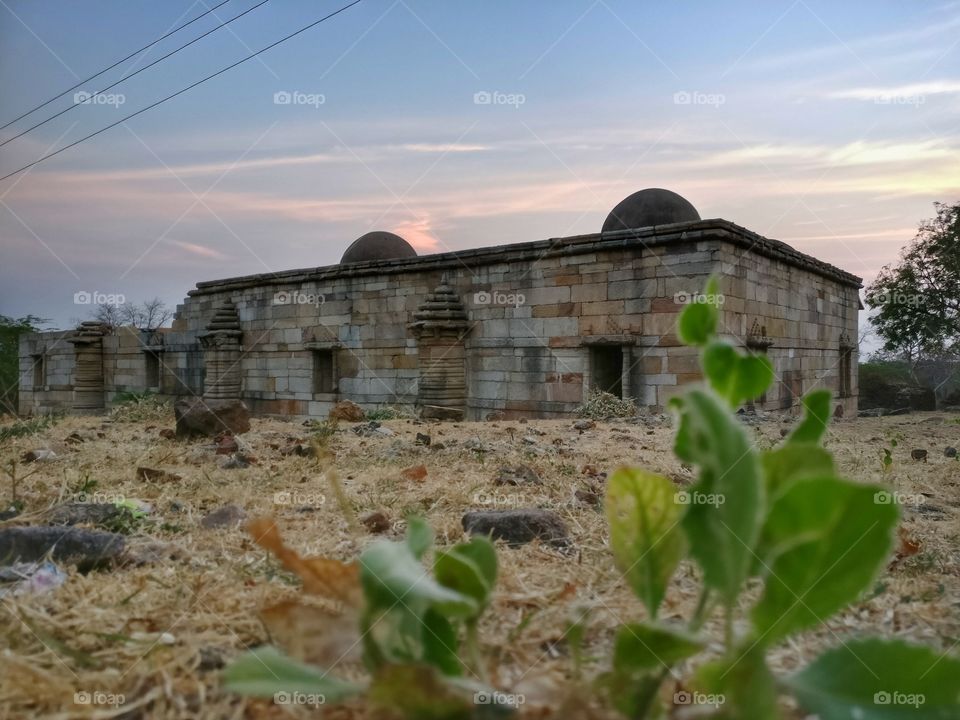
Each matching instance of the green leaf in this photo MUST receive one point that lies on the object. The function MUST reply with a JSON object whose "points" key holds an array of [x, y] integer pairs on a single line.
{"points": [[470, 569], [646, 646], [736, 377], [419, 692], [726, 506], [645, 533], [827, 538], [266, 671], [875, 679], [440, 643], [642, 652], [742, 684], [786, 463], [392, 576], [816, 417], [419, 536]]}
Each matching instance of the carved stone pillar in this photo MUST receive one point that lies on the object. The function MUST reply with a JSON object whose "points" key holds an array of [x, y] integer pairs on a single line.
{"points": [[440, 325], [88, 381], [221, 354]]}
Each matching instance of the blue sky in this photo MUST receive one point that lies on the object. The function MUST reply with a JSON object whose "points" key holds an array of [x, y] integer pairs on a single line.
{"points": [[831, 126]]}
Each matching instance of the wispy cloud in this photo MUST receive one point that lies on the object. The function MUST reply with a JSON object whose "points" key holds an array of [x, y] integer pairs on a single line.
{"points": [[916, 90]]}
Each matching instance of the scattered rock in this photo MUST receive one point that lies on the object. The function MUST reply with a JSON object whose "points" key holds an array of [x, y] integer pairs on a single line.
{"points": [[87, 549], [347, 411], [227, 445], [518, 527], [168, 434], [198, 416], [376, 522], [227, 516], [423, 439], [75, 438], [582, 425], [156, 475], [39, 455], [517, 475], [209, 659], [950, 452], [529, 440], [919, 454], [299, 450], [104, 515], [237, 461], [588, 497], [372, 429]]}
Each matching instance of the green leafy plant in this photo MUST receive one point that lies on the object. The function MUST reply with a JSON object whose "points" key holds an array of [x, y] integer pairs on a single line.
{"points": [[418, 633], [780, 521], [24, 428]]}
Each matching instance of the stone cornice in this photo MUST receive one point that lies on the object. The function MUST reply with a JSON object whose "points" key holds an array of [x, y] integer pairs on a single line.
{"points": [[703, 230]]}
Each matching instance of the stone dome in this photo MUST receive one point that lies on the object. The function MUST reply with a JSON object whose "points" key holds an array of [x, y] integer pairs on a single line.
{"points": [[377, 246], [653, 206]]}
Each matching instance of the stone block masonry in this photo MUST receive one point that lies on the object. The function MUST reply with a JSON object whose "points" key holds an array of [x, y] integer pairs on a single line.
{"points": [[526, 330]]}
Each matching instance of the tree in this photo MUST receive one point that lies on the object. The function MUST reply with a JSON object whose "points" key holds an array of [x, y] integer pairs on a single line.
{"points": [[10, 331], [148, 315], [918, 300]]}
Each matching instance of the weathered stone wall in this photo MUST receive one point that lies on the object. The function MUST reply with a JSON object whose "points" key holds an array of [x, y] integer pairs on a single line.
{"points": [[546, 320]]}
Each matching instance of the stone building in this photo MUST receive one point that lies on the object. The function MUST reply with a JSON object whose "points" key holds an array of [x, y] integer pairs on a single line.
{"points": [[523, 330]]}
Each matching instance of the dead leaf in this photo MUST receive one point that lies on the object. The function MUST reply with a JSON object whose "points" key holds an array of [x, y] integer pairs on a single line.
{"points": [[324, 577], [416, 473], [312, 633]]}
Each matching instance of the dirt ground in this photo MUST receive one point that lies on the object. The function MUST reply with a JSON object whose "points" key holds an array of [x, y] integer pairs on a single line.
{"points": [[158, 633]]}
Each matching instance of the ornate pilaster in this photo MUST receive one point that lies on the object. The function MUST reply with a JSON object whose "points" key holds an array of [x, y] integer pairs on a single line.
{"points": [[440, 326], [88, 380], [221, 354]]}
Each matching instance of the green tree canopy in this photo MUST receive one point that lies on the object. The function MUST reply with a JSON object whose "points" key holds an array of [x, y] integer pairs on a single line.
{"points": [[10, 331], [918, 300]]}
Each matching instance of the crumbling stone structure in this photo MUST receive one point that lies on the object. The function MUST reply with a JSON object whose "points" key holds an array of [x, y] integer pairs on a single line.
{"points": [[524, 330]]}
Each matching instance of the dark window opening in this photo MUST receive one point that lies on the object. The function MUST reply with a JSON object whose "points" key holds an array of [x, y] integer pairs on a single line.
{"points": [[151, 366], [324, 380], [39, 371], [606, 364], [786, 390], [845, 388]]}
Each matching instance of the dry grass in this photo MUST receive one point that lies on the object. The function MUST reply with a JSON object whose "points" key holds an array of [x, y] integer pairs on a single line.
{"points": [[156, 633]]}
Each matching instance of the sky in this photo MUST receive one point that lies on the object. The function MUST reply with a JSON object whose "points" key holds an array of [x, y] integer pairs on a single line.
{"points": [[831, 126]]}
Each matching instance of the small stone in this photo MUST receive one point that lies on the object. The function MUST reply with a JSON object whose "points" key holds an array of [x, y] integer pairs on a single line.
{"points": [[347, 411], [87, 549], [376, 522], [517, 475], [209, 658], [518, 527], [156, 475], [919, 454], [529, 440], [438, 446], [582, 425], [198, 416], [423, 439], [39, 455], [104, 515], [166, 639], [950, 452], [227, 516], [227, 445], [588, 497], [237, 461], [75, 438], [168, 434]]}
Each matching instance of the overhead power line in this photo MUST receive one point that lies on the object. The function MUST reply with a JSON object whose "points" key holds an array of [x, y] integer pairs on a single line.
{"points": [[180, 92], [133, 74], [111, 67]]}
